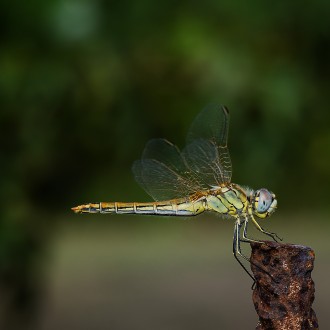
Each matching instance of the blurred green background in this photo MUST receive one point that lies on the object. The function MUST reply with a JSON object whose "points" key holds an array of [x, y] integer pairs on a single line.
{"points": [[83, 85]]}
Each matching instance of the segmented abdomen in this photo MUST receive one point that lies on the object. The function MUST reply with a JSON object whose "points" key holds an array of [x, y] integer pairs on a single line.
{"points": [[176, 207]]}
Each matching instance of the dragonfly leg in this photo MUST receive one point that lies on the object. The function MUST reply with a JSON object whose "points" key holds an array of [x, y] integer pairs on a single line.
{"points": [[274, 236], [237, 249], [244, 235]]}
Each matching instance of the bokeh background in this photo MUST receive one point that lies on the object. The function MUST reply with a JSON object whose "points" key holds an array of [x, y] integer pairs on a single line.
{"points": [[83, 85]]}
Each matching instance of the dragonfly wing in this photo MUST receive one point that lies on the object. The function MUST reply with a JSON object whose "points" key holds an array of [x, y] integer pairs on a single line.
{"points": [[162, 171], [165, 152], [207, 152], [202, 158], [165, 173]]}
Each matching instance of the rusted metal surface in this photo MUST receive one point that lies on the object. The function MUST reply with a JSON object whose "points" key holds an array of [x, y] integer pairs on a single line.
{"points": [[284, 290]]}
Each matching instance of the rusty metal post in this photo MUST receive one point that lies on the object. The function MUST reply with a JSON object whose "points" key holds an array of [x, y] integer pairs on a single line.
{"points": [[284, 290]]}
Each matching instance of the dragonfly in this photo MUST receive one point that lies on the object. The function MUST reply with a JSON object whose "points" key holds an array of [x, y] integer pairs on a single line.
{"points": [[194, 180]]}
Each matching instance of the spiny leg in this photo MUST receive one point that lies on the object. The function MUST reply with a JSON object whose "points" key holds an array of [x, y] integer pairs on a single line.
{"points": [[272, 235], [245, 238], [237, 249]]}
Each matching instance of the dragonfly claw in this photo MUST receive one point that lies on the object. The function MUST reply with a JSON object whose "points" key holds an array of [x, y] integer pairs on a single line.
{"points": [[275, 237]]}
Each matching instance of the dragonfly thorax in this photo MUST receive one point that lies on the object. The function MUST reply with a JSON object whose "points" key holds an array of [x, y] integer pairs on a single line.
{"points": [[263, 202]]}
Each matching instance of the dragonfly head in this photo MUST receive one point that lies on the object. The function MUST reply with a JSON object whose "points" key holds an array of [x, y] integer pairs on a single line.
{"points": [[264, 203]]}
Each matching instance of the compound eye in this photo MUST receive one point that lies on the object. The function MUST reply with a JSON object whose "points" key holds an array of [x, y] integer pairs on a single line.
{"points": [[265, 200]]}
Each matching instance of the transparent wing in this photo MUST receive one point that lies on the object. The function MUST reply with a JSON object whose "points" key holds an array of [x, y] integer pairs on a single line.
{"points": [[206, 151], [165, 173], [162, 171]]}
